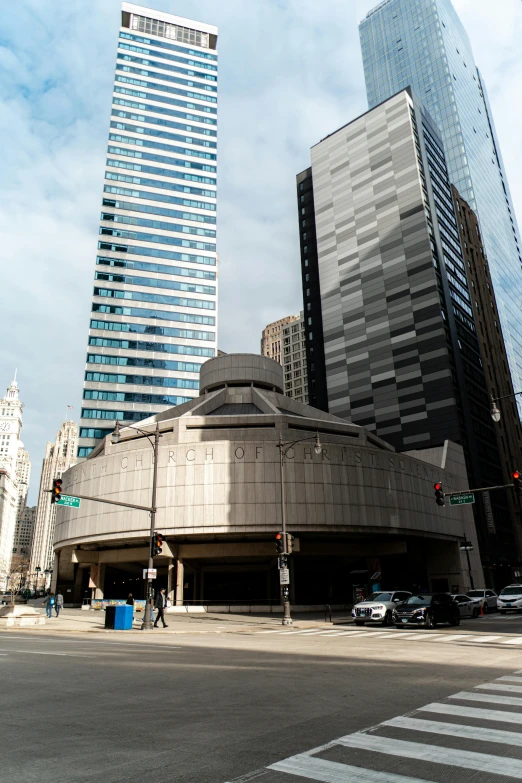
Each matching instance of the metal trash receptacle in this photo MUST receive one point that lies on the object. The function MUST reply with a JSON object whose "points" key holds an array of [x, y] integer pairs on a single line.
{"points": [[110, 615], [123, 617]]}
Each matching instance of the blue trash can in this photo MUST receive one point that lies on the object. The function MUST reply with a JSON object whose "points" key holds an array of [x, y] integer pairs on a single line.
{"points": [[123, 617]]}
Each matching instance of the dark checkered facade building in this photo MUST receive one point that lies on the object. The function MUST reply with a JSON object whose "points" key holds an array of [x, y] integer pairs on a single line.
{"points": [[391, 337]]}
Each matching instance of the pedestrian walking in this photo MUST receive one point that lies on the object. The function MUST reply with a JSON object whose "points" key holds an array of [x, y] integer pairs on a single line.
{"points": [[58, 603], [49, 603], [160, 603]]}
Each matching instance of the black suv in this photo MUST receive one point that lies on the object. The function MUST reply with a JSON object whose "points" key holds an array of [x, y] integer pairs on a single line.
{"points": [[427, 609]]}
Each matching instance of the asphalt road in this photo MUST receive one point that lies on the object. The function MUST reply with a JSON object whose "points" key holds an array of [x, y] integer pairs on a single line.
{"points": [[251, 705]]}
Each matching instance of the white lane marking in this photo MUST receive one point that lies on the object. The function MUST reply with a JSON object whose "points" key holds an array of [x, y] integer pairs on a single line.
{"points": [[56, 640], [466, 759], [498, 686], [305, 766], [349, 633], [456, 730], [66, 655], [518, 640], [500, 716], [488, 698]]}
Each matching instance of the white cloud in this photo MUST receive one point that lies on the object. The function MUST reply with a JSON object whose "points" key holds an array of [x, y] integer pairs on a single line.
{"points": [[290, 73]]}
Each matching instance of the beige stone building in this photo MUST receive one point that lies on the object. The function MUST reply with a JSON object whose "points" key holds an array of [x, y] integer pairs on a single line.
{"points": [[24, 532], [355, 506], [294, 360], [272, 338], [59, 456]]}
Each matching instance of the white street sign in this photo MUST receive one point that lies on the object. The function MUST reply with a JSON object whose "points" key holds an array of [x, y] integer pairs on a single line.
{"points": [[284, 576], [150, 573]]}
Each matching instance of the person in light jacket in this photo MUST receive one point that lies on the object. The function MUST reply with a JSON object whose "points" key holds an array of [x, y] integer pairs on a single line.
{"points": [[160, 603], [58, 603]]}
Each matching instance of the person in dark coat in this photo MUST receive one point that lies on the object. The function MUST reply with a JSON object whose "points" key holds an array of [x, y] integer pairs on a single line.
{"points": [[160, 603], [130, 600]]}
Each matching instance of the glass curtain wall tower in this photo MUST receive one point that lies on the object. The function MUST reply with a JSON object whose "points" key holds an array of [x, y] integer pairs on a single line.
{"points": [[422, 44], [154, 307]]}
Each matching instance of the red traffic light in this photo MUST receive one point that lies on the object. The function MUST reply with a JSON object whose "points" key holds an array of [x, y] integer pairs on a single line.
{"points": [[439, 494], [437, 487], [278, 536], [516, 474]]}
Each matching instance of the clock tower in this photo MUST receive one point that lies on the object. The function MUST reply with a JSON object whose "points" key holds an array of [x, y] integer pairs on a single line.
{"points": [[11, 409]]}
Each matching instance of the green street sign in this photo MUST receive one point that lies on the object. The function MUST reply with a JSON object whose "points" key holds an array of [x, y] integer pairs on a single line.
{"points": [[69, 500], [460, 500]]}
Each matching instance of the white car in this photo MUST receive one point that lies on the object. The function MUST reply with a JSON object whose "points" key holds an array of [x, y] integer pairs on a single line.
{"points": [[510, 599], [485, 598], [467, 606], [378, 607]]}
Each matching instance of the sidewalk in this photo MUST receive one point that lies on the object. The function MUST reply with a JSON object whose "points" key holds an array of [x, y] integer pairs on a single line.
{"points": [[93, 621]]}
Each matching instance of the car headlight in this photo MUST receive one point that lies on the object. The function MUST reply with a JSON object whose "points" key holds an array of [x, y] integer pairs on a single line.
{"points": [[379, 608]]}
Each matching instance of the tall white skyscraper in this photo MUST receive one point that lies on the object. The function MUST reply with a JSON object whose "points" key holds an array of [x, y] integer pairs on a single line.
{"points": [[11, 408], [154, 309], [59, 456]]}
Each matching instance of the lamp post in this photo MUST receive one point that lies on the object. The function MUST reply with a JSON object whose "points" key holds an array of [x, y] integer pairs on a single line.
{"points": [[38, 570], [115, 438], [495, 410], [284, 448]]}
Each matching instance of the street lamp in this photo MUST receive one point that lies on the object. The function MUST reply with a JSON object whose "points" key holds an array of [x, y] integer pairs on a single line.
{"points": [[115, 438], [38, 570], [495, 411], [284, 448]]}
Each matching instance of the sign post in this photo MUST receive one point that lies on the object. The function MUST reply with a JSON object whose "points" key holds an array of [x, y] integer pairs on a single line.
{"points": [[68, 500], [460, 500]]}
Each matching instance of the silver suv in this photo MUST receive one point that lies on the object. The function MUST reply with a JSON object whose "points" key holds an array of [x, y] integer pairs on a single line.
{"points": [[378, 607], [510, 599]]}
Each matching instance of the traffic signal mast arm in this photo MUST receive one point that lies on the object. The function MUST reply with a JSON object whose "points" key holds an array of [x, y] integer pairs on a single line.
{"points": [[480, 489], [110, 502]]}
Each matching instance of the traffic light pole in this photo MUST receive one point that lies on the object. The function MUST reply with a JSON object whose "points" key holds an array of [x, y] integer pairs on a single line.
{"points": [[285, 589], [147, 615], [284, 448]]}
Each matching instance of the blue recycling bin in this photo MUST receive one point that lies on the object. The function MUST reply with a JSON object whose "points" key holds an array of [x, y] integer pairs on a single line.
{"points": [[123, 617]]}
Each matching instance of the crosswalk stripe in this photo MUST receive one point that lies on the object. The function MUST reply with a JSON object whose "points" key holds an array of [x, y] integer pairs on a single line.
{"points": [[499, 716], [489, 698], [466, 759], [498, 686], [453, 637], [518, 640], [509, 679], [306, 766], [456, 730], [483, 639]]}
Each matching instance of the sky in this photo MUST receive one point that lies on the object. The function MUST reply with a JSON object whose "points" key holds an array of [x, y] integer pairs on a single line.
{"points": [[290, 73]]}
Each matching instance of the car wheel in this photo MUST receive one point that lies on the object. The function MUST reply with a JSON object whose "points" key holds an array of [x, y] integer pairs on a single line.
{"points": [[475, 612], [358, 622], [428, 622], [486, 608], [456, 619], [398, 625], [387, 619]]}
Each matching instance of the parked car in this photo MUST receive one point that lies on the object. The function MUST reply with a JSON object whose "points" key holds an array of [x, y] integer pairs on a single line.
{"points": [[378, 607], [467, 606], [510, 599], [427, 610], [485, 598]]}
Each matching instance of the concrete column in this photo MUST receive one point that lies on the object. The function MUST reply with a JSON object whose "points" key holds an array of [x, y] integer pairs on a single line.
{"points": [[179, 582], [170, 578], [99, 581]]}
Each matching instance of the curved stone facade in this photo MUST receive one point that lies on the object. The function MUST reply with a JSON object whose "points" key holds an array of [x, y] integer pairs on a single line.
{"points": [[241, 368], [219, 486]]}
